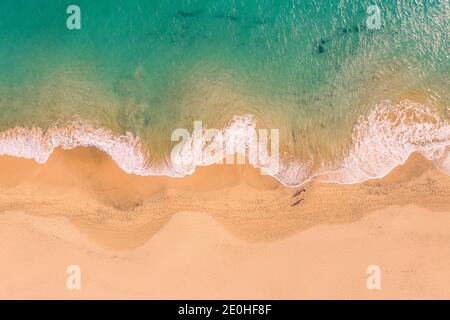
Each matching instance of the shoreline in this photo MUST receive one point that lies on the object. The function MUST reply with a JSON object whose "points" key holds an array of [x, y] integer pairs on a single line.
{"points": [[380, 141]]}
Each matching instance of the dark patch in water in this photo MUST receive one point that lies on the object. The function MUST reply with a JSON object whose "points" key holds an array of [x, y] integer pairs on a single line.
{"points": [[320, 48], [323, 41], [353, 29], [229, 17], [147, 119], [358, 28], [189, 14]]}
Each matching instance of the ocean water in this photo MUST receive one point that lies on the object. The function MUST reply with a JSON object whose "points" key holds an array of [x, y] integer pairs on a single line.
{"points": [[350, 101]]}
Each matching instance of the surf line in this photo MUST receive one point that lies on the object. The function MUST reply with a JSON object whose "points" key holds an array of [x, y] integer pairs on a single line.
{"points": [[239, 140]]}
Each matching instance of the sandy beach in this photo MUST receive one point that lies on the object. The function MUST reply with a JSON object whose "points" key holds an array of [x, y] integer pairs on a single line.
{"points": [[224, 232], [119, 121]]}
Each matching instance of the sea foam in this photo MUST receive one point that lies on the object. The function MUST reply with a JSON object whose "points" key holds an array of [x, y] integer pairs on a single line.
{"points": [[388, 135], [36, 144], [381, 140]]}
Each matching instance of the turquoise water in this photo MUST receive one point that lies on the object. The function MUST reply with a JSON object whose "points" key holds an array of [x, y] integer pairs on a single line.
{"points": [[309, 68]]}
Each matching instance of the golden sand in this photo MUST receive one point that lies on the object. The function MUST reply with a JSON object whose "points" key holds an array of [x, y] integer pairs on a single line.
{"points": [[224, 232]]}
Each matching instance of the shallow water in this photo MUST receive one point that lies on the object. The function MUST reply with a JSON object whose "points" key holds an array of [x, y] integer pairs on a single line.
{"points": [[349, 101]]}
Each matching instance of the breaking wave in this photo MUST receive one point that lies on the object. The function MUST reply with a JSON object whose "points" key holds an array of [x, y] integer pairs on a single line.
{"points": [[388, 136], [381, 140]]}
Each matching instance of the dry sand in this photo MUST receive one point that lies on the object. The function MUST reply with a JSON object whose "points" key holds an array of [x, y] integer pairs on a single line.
{"points": [[224, 232]]}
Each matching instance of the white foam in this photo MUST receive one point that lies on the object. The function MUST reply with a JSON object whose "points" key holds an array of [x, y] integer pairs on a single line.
{"points": [[239, 138], [387, 136], [36, 144], [381, 140]]}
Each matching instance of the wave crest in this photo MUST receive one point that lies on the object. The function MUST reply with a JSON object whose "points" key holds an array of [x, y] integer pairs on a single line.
{"points": [[36, 144], [388, 135]]}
